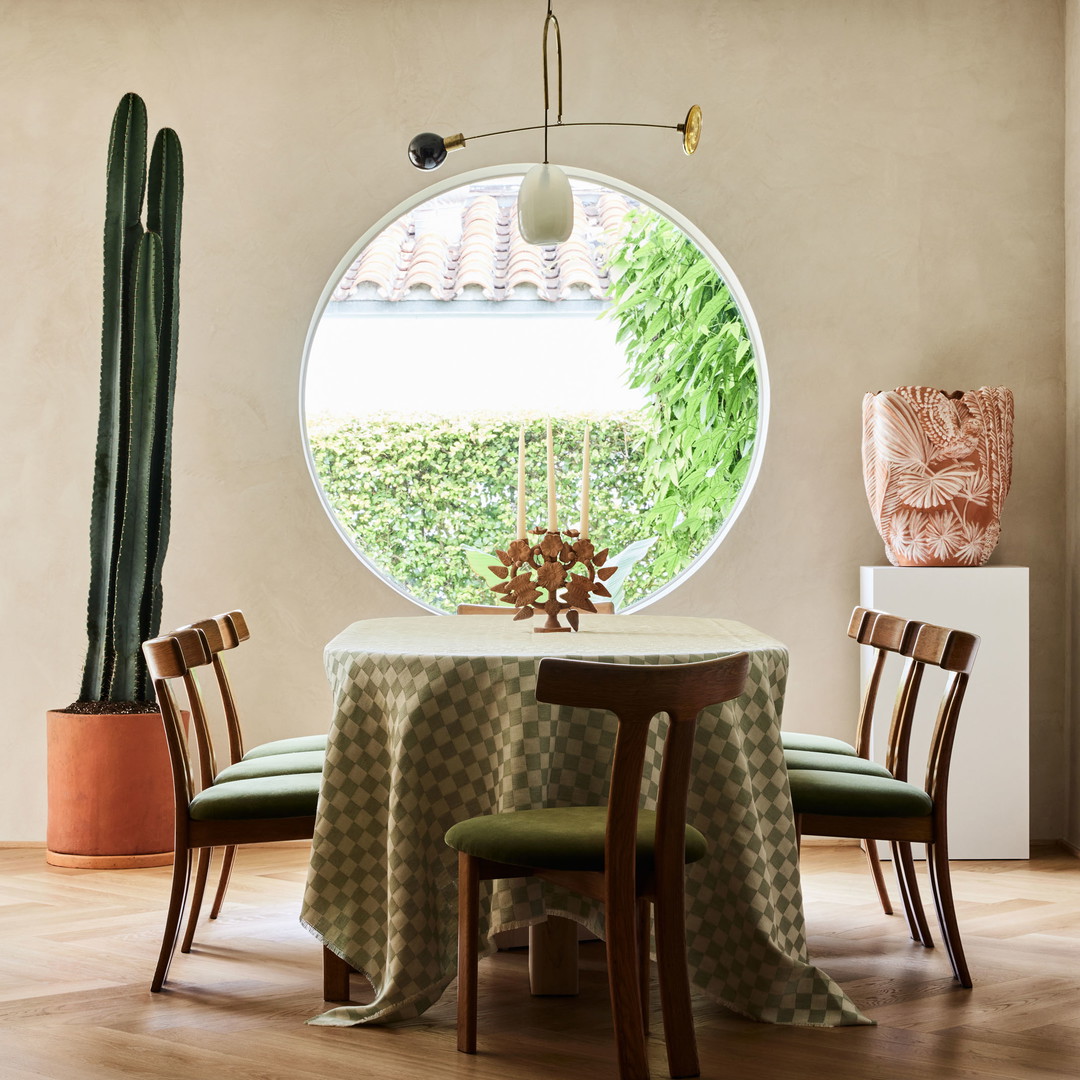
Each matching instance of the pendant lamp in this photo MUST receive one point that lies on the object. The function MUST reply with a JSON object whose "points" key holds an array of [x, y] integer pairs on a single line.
{"points": [[545, 201]]}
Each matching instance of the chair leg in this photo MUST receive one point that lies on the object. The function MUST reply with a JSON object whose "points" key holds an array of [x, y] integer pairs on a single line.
{"points": [[468, 951], [202, 869], [937, 859], [873, 860], [223, 880], [918, 927], [644, 929], [675, 983], [905, 895], [621, 926], [180, 875]]}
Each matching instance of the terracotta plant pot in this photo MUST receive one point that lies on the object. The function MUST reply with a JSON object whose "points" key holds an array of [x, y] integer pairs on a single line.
{"points": [[110, 791], [937, 468]]}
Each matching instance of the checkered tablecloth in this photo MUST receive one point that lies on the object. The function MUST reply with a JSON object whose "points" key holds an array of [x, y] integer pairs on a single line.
{"points": [[436, 720]]}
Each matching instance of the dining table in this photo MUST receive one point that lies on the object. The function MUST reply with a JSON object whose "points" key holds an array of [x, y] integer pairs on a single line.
{"points": [[435, 719]]}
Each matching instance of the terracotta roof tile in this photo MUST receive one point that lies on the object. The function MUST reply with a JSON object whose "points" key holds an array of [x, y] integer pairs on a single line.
{"points": [[467, 244]]}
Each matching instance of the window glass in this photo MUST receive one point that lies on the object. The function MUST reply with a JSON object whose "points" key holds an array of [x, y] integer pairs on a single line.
{"points": [[446, 335]]}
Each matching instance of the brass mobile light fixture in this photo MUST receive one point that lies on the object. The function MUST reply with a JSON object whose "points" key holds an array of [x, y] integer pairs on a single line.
{"points": [[545, 203]]}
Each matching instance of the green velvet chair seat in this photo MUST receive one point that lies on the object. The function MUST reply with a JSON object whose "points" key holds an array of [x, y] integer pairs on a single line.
{"points": [[818, 744], [273, 765], [807, 759], [559, 838], [298, 745], [814, 791], [295, 795]]}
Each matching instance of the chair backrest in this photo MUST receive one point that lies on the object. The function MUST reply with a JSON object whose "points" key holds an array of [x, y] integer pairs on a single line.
{"points": [[635, 693], [224, 632], [172, 657], [603, 607], [954, 652], [886, 634]]}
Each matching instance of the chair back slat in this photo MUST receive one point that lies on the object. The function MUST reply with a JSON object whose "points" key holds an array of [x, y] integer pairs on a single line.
{"points": [[211, 632], [898, 748], [197, 653], [231, 630], [897, 753]]}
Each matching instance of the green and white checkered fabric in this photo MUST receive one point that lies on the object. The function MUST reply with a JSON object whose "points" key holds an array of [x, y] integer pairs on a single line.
{"points": [[436, 720]]}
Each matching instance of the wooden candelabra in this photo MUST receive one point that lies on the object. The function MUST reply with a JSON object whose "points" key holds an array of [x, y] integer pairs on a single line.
{"points": [[526, 569]]}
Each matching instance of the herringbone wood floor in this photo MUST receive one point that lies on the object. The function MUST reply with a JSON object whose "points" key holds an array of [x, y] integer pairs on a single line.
{"points": [[77, 950]]}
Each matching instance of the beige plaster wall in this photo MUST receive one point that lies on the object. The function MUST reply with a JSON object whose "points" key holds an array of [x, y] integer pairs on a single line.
{"points": [[885, 179]]}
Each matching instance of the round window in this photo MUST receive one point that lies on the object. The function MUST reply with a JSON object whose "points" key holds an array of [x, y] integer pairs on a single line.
{"points": [[443, 337]]}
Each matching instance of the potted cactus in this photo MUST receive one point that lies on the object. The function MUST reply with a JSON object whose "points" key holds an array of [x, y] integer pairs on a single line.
{"points": [[110, 790]]}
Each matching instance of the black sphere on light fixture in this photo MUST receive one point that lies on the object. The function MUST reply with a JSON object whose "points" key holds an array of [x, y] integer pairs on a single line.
{"points": [[427, 150]]}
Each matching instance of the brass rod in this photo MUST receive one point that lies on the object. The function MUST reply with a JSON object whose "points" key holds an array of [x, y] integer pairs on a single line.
{"points": [[544, 60], [579, 123]]}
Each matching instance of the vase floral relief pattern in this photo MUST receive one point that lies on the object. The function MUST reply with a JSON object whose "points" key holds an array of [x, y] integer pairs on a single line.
{"points": [[937, 468]]}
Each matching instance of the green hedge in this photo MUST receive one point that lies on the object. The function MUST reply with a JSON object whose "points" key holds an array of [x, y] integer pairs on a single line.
{"points": [[412, 492]]}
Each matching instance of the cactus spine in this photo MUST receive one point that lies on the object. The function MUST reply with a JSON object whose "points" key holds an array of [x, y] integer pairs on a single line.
{"points": [[129, 527]]}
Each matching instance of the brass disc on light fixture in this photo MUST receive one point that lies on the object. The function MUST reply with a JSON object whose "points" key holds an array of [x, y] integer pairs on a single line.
{"points": [[691, 129]]}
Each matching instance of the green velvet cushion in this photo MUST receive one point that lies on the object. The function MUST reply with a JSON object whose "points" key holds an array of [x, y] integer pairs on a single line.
{"points": [[298, 745], [273, 765], [560, 838], [814, 791], [820, 744], [807, 759], [295, 795]]}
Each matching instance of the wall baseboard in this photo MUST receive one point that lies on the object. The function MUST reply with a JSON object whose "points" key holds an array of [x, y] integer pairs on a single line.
{"points": [[1065, 845]]}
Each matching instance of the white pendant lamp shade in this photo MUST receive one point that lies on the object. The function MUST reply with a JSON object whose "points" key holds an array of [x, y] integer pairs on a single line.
{"points": [[545, 206]]}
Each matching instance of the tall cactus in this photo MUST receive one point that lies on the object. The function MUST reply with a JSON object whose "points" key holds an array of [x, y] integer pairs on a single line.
{"points": [[129, 527]]}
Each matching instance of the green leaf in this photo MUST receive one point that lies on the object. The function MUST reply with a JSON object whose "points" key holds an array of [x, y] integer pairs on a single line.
{"points": [[625, 561], [480, 563]]}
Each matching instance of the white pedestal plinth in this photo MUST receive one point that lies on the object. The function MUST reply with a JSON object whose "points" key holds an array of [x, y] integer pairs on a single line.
{"points": [[988, 784]]}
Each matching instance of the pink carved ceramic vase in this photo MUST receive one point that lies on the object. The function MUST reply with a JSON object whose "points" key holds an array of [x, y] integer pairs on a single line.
{"points": [[937, 468]]}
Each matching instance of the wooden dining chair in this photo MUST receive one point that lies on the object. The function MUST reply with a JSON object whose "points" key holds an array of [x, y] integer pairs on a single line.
{"points": [[870, 808], [220, 634], [617, 854], [244, 811], [603, 607], [887, 635]]}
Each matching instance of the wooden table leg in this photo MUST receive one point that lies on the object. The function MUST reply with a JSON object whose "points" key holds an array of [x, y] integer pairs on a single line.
{"points": [[553, 957], [336, 974]]}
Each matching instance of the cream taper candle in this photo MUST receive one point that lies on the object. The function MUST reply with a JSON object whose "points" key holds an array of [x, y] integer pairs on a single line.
{"points": [[552, 517], [585, 486], [521, 484]]}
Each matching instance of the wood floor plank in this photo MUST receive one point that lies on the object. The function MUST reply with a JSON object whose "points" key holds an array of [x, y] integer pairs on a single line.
{"points": [[77, 949]]}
